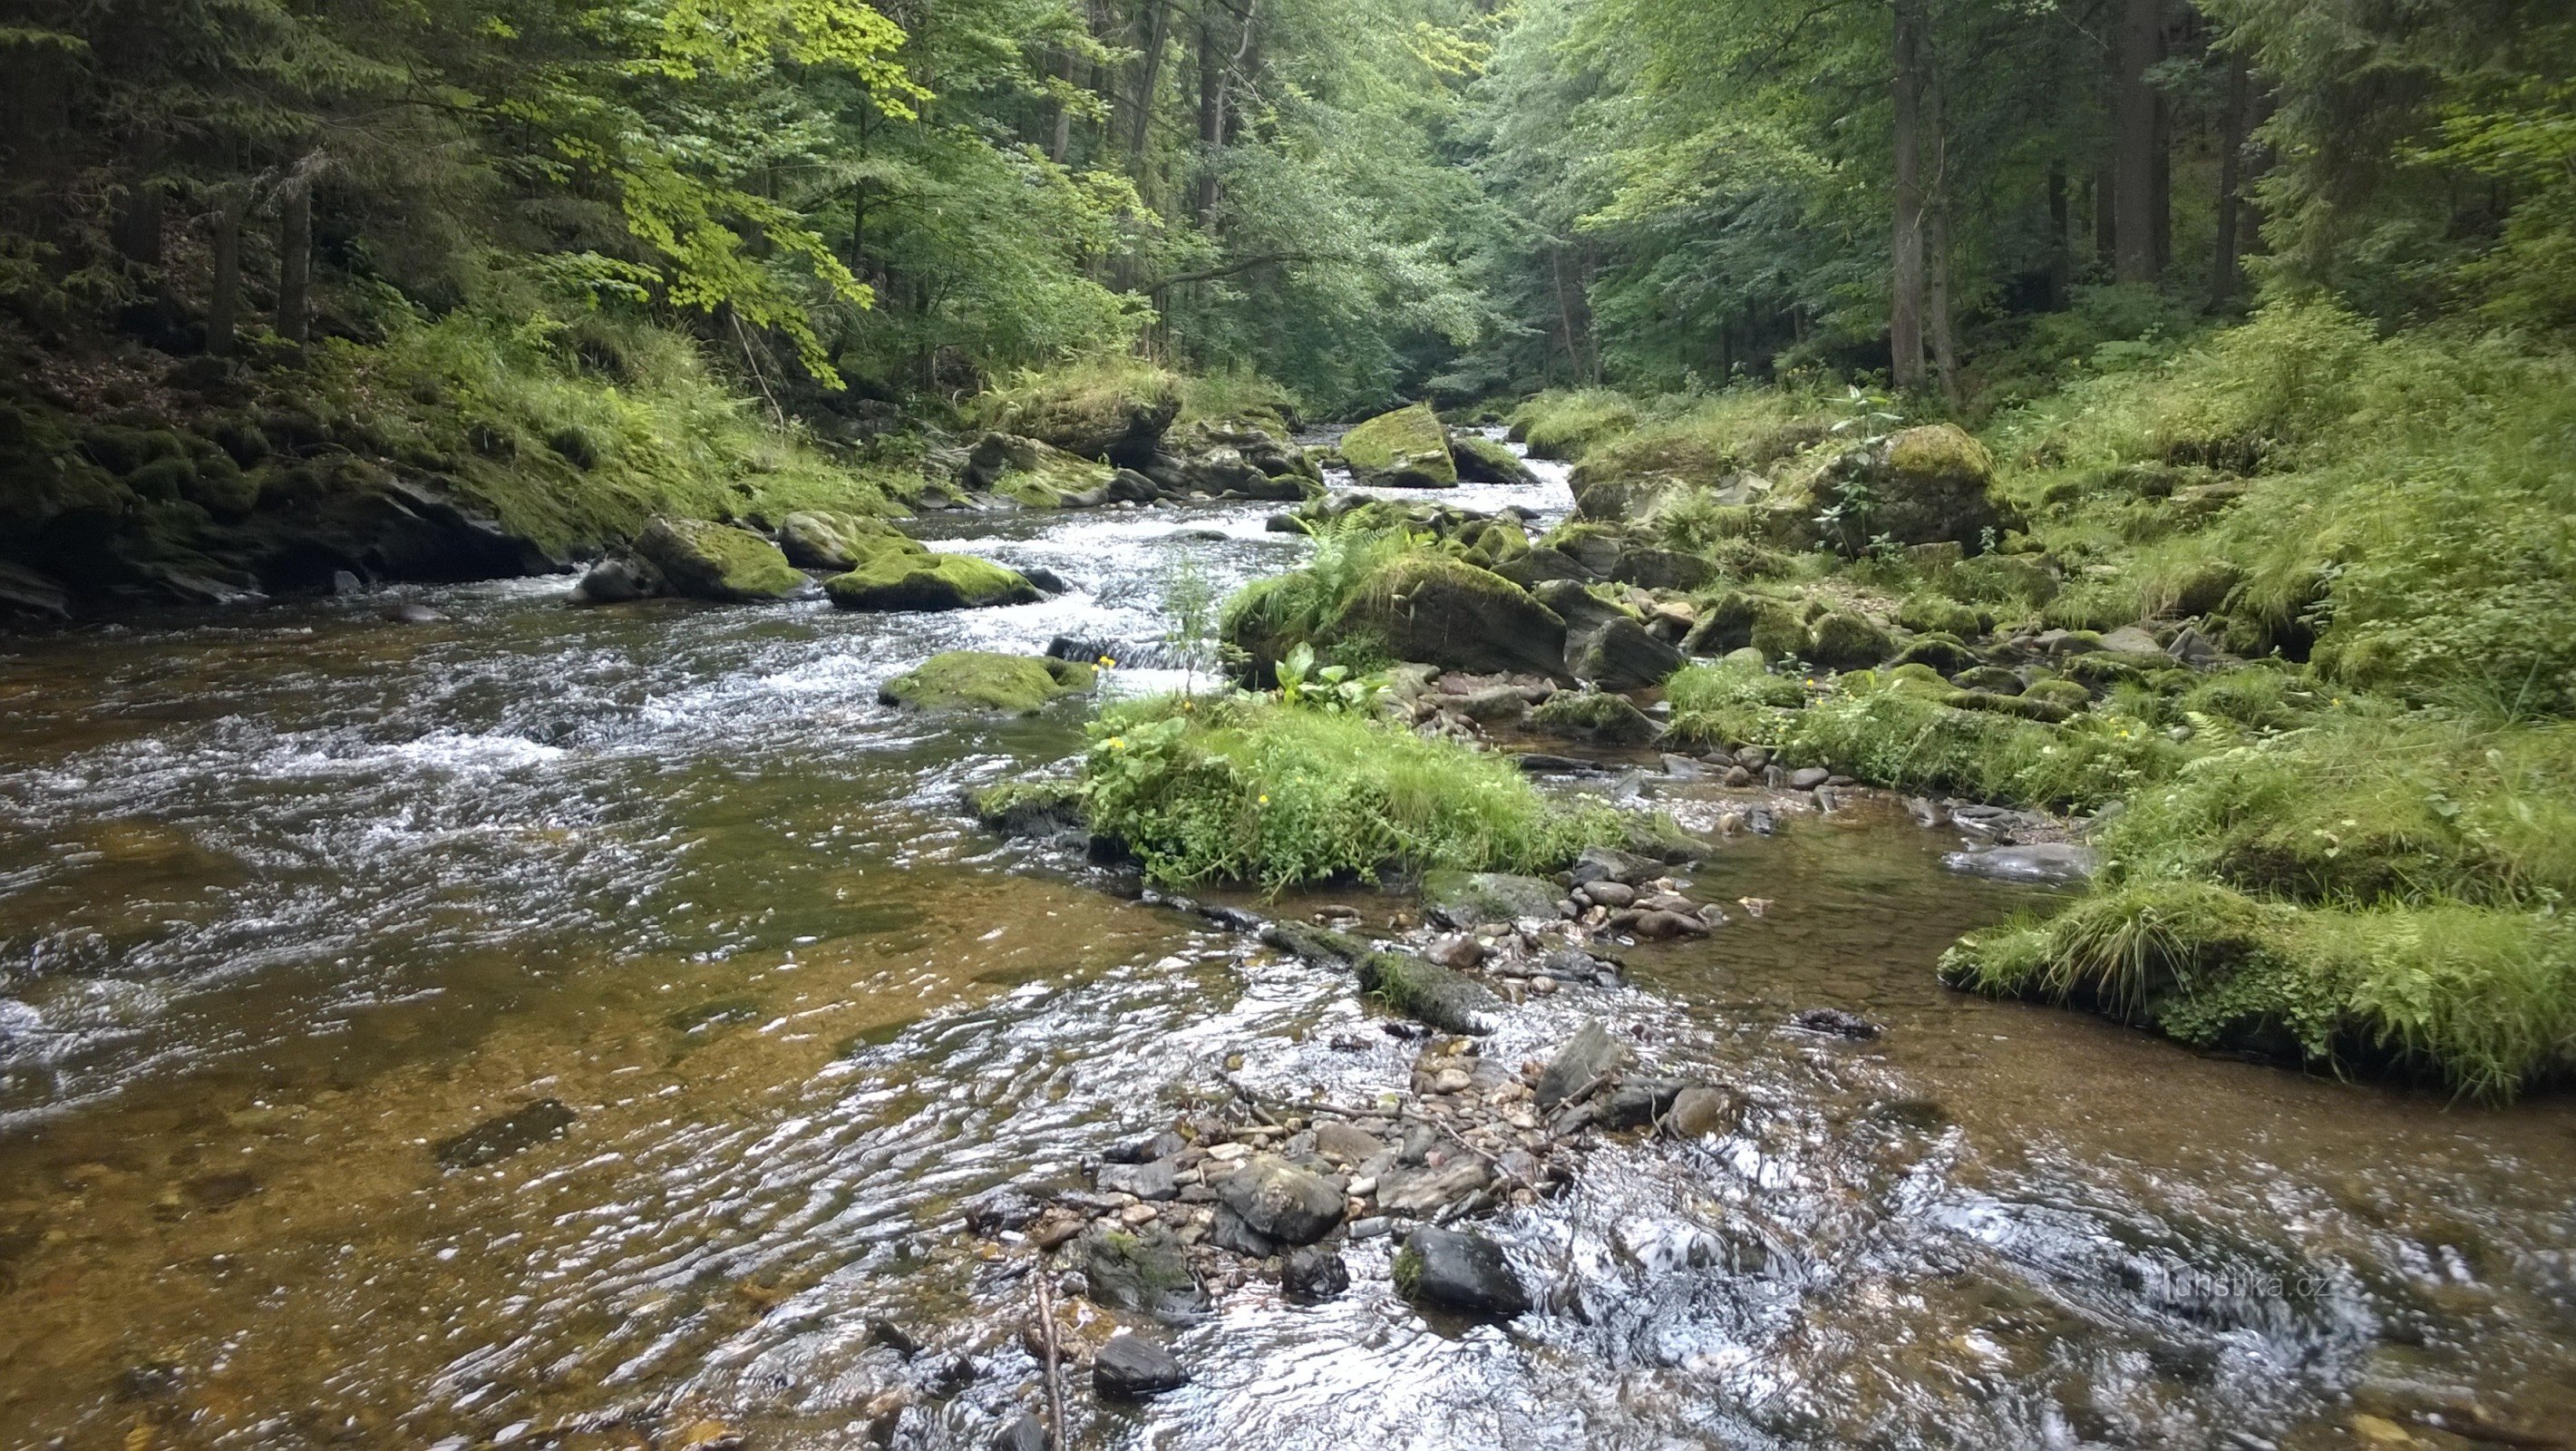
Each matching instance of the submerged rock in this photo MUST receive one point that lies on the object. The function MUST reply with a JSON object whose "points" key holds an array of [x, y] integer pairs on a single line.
{"points": [[1836, 1023], [1469, 899], [978, 679], [1133, 1365], [1405, 449], [498, 1138], [928, 581], [1408, 984], [719, 562], [2038, 862], [1458, 1270]]}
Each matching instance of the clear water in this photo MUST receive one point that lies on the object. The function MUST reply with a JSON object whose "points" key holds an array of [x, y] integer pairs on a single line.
{"points": [[289, 898]]}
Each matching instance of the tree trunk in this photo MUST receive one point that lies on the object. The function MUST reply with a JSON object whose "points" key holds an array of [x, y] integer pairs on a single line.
{"points": [[1211, 113], [2231, 153], [2061, 237], [223, 305], [1905, 307], [295, 262], [2136, 141], [1061, 144], [138, 227], [1936, 287], [2106, 213], [1149, 77]]}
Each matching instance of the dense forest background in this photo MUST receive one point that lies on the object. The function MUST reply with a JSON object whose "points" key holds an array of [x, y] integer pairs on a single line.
{"points": [[1358, 199]]}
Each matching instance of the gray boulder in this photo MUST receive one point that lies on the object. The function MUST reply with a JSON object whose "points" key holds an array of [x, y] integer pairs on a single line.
{"points": [[1280, 1201], [1460, 1271]]}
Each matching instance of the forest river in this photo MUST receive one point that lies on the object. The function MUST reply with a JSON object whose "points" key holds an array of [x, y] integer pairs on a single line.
{"points": [[558, 1027]]}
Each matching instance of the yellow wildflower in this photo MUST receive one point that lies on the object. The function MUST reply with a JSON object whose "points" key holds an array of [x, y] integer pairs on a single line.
{"points": [[1117, 743], [1108, 664]]}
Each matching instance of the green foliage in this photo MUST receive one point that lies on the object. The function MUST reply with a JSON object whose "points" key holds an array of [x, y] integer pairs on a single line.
{"points": [[1712, 685], [1332, 689], [1246, 790]]}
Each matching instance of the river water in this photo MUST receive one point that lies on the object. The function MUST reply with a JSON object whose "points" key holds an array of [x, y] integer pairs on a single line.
{"points": [[290, 899]]}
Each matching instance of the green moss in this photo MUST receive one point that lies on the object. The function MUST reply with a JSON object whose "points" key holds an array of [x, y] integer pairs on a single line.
{"points": [[1247, 790], [1093, 408], [1562, 425], [1406, 1271], [1480, 458], [977, 679], [1408, 447], [826, 539], [927, 581], [2066, 693], [1941, 451]]}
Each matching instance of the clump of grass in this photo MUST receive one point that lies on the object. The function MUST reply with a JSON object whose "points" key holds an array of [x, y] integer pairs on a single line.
{"points": [[1238, 393], [1884, 731], [1247, 790], [2481, 998], [1272, 616], [1564, 424], [1099, 386], [1706, 685], [2366, 808]]}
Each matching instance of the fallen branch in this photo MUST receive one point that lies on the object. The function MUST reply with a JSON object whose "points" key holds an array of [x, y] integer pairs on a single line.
{"points": [[1054, 1376]]}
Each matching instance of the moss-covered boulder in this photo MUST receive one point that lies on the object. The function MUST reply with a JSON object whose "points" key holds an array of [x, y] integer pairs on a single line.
{"points": [[1595, 716], [1441, 610], [982, 680], [1113, 412], [1930, 614], [1622, 656], [1470, 899], [822, 539], [1842, 640], [1407, 449], [1035, 473], [1942, 653], [1408, 984], [1918, 486], [1492, 543], [1480, 460], [719, 562], [928, 581]]}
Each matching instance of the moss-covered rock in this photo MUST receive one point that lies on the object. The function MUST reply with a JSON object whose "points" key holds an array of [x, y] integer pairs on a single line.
{"points": [[719, 562], [1468, 899], [2066, 693], [1931, 614], [1117, 412], [1405, 449], [1993, 679], [1409, 985], [1918, 486], [1724, 625], [1596, 716], [1441, 610], [827, 539], [928, 581], [982, 680], [1779, 630], [1943, 653], [1622, 656], [1480, 460], [1036, 473]]}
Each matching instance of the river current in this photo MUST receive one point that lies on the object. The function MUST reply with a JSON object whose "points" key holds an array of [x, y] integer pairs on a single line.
{"points": [[293, 899]]}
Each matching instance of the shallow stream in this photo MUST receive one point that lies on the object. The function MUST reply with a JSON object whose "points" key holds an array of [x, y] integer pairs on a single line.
{"points": [[292, 900]]}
